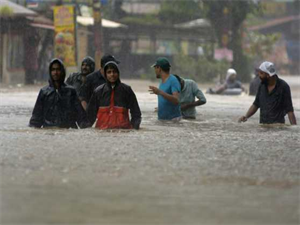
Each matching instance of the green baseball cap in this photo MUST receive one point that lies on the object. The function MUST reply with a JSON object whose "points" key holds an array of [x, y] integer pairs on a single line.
{"points": [[162, 62]]}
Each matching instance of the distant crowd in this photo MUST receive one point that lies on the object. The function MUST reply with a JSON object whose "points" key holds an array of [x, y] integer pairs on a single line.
{"points": [[99, 98]]}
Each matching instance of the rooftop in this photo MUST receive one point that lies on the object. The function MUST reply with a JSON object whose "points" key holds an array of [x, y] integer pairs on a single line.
{"points": [[18, 10]]}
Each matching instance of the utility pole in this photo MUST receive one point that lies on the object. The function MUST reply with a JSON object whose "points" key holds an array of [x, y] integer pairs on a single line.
{"points": [[97, 31]]}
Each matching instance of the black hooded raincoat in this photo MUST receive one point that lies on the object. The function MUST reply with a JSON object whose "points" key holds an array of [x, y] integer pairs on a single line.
{"points": [[75, 79], [58, 107]]}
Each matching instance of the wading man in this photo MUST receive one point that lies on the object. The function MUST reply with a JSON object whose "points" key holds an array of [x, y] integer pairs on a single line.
{"points": [[78, 79], [168, 91], [273, 98], [189, 91], [94, 80], [57, 104], [111, 102]]}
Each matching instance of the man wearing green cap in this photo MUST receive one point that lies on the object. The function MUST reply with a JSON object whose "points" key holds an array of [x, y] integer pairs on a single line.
{"points": [[168, 91]]}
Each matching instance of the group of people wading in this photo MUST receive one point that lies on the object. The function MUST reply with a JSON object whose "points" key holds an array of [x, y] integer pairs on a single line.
{"points": [[99, 97]]}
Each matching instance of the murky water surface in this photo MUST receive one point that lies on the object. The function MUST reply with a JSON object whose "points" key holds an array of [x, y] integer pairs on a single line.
{"points": [[212, 170]]}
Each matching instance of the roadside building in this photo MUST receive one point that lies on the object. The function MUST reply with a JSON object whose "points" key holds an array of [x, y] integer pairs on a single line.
{"points": [[20, 36]]}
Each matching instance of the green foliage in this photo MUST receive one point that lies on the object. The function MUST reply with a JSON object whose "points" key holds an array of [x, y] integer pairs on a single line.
{"points": [[199, 69], [6, 11], [257, 48], [253, 20], [260, 45], [227, 18], [172, 12]]}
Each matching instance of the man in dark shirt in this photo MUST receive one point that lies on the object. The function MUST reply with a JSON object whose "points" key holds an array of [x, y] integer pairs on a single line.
{"points": [[78, 79], [93, 81], [273, 98]]}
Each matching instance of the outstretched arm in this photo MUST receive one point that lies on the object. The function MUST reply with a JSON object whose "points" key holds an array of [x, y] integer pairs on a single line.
{"points": [[174, 98], [251, 111]]}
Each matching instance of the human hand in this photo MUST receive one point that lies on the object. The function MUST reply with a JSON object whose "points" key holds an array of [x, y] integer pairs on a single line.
{"points": [[243, 119], [154, 90], [184, 106]]}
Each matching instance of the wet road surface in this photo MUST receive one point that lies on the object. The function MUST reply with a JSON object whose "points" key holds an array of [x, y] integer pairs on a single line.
{"points": [[212, 170]]}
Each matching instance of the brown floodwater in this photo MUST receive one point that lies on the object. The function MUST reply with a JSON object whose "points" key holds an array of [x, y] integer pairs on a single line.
{"points": [[211, 170]]}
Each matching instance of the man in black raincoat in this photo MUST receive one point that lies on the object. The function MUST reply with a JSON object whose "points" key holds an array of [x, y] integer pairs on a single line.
{"points": [[93, 81], [78, 79], [57, 104]]}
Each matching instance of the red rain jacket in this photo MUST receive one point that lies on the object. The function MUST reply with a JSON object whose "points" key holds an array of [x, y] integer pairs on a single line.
{"points": [[111, 105]]}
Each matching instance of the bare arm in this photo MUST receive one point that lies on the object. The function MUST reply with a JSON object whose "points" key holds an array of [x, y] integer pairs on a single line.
{"points": [[251, 111], [292, 118], [185, 106], [197, 93], [174, 98]]}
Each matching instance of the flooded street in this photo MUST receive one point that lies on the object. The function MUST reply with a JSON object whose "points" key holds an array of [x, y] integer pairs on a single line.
{"points": [[212, 170]]}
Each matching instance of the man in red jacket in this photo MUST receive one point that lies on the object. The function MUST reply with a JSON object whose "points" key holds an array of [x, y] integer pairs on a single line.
{"points": [[112, 100]]}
